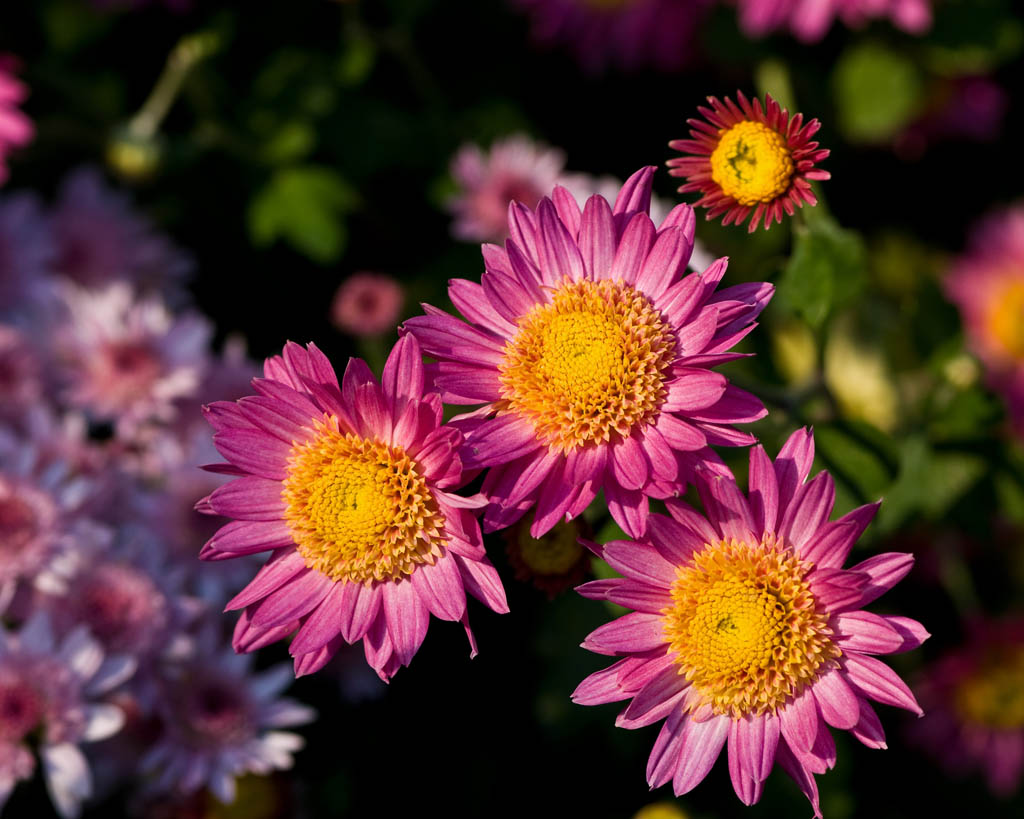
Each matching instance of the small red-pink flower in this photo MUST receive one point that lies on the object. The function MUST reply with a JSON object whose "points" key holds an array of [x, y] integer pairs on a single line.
{"points": [[367, 304], [351, 489], [591, 352], [16, 129], [747, 631], [810, 20], [745, 159]]}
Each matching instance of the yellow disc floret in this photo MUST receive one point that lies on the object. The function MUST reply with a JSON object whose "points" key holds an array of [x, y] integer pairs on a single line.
{"points": [[751, 163], [589, 364], [744, 626], [1006, 318], [994, 694], [360, 510]]}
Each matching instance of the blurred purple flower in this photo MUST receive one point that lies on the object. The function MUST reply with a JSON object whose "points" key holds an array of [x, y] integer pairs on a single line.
{"points": [[810, 20]]}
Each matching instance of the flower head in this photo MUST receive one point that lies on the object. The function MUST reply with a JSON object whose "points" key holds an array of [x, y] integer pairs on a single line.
{"points": [[746, 629], [367, 304], [16, 129], [591, 352], [627, 33], [26, 257], [809, 21], [552, 562], [744, 158], [515, 169], [351, 489], [974, 697]]}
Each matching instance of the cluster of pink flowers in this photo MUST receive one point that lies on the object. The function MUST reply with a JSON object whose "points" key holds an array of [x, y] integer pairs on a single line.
{"points": [[589, 356], [111, 632], [16, 129]]}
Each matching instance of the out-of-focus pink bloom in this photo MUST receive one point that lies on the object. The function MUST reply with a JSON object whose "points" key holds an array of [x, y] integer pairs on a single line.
{"points": [[968, 108], [219, 721], [974, 706], [987, 284], [747, 632], [126, 358], [49, 694], [100, 239], [26, 258], [21, 377], [809, 20], [592, 352], [627, 33], [515, 169], [367, 304], [16, 129]]}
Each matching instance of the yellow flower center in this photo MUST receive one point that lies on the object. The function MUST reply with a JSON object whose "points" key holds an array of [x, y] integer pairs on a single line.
{"points": [[1006, 318], [994, 695], [589, 364], [745, 628], [751, 163], [553, 553], [360, 510]]}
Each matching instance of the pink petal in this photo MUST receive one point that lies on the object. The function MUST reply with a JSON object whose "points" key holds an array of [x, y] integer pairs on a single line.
{"points": [[793, 465], [597, 238], [679, 434], [640, 561], [557, 251], [752, 744], [666, 260], [807, 513], [568, 210], [500, 440], [676, 542], [876, 680], [629, 466], [912, 632], [243, 537], [866, 632], [726, 507], [628, 507], [402, 379], [799, 721], [836, 589], [655, 700], [869, 727], [664, 756], [764, 491], [630, 633], [292, 600], [799, 774], [831, 548], [407, 619], [685, 514], [254, 451], [635, 194], [440, 587], [359, 606], [702, 742], [482, 581], [836, 700], [469, 299], [283, 565], [249, 499], [692, 389], [633, 249], [884, 571], [323, 623]]}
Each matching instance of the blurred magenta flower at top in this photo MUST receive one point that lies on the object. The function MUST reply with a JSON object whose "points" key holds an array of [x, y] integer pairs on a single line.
{"points": [[626, 33], [974, 702], [746, 630], [810, 20], [515, 169], [591, 352], [367, 304], [968, 108], [16, 129], [987, 284]]}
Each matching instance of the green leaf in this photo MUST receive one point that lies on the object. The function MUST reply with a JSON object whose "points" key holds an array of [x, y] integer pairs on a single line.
{"points": [[825, 270], [853, 461], [878, 92], [304, 205]]}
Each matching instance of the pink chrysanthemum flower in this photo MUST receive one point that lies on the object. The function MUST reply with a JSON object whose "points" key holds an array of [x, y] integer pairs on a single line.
{"points": [[101, 239], [809, 20], [592, 352], [746, 629], [627, 33], [367, 304], [745, 158], [219, 721], [974, 697], [352, 489], [49, 700], [16, 129], [126, 358], [515, 169], [21, 377], [987, 284]]}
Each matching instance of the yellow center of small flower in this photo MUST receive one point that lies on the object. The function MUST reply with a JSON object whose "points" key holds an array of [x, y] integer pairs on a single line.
{"points": [[994, 695], [751, 163], [745, 628], [554, 553], [360, 510], [589, 364], [1006, 318]]}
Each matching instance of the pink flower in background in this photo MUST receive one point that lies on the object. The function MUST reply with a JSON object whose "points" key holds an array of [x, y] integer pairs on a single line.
{"points": [[351, 489], [26, 258], [962, 108], [367, 304], [514, 169], [747, 631], [987, 284], [591, 353], [16, 129], [50, 694], [810, 20], [627, 33], [974, 699]]}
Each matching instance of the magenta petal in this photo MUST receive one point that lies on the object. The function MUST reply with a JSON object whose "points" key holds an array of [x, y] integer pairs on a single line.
{"points": [[836, 589], [807, 513], [830, 550], [693, 389], [443, 335], [664, 263], [255, 451], [553, 500], [597, 238], [685, 514], [661, 764], [633, 249], [469, 299], [407, 619], [481, 580], [638, 596], [440, 587], [629, 465], [402, 379], [377, 644], [315, 660], [640, 561], [635, 194], [244, 537], [750, 742], [726, 507], [247, 637], [836, 700], [879, 682], [509, 298], [283, 565], [764, 491], [799, 774], [628, 508], [695, 335], [249, 499], [568, 210], [736, 406], [676, 542], [603, 686], [465, 384], [323, 623], [884, 571], [912, 632], [279, 419], [500, 440], [654, 700], [679, 434], [630, 633], [702, 742], [793, 465], [513, 482], [360, 605], [799, 721], [866, 632], [292, 600], [869, 727], [559, 256]]}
